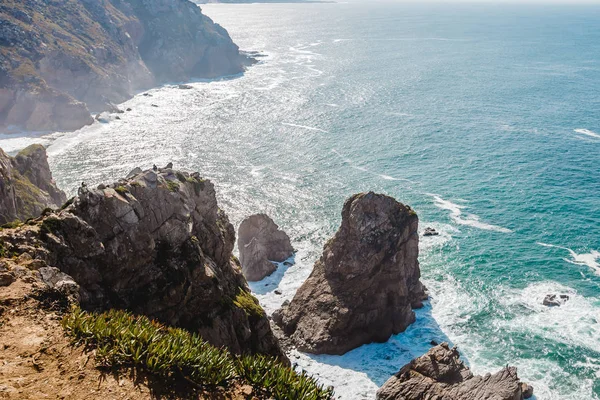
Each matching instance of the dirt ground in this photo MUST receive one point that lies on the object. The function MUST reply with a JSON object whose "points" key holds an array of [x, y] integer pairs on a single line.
{"points": [[37, 360]]}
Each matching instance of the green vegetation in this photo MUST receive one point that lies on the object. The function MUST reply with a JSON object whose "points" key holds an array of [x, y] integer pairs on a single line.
{"points": [[123, 340], [11, 225], [135, 184], [173, 186], [122, 190], [249, 304]]}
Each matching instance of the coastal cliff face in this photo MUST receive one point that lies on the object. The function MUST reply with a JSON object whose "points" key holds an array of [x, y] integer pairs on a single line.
{"points": [[158, 245], [260, 241], [60, 59], [440, 374], [26, 185], [365, 284]]}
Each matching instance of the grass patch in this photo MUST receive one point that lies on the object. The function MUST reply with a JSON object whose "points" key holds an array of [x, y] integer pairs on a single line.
{"points": [[173, 186], [249, 304], [123, 340], [12, 225], [122, 190]]}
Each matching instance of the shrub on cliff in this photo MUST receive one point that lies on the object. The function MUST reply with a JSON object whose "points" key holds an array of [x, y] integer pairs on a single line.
{"points": [[124, 340]]}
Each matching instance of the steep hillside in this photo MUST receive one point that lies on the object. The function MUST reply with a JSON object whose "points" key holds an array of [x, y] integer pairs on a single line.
{"points": [[61, 58]]}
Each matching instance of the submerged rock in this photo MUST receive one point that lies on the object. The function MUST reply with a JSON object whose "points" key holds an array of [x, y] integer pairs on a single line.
{"points": [[156, 244], [440, 374], [365, 284], [555, 300], [26, 185], [260, 241], [430, 232]]}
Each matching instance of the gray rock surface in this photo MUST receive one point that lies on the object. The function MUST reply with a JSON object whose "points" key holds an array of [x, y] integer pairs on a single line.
{"points": [[260, 241], [365, 284], [26, 185], [555, 300], [156, 244], [441, 375]]}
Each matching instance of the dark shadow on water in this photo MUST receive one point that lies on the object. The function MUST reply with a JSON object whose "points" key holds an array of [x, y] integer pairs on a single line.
{"points": [[379, 361], [271, 282]]}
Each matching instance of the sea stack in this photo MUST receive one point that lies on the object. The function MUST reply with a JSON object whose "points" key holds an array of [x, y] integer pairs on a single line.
{"points": [[365, 284], [440, 374], [260, 241]]}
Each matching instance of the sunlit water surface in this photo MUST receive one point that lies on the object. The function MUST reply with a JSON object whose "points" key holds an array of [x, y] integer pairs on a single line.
{"points": [[484, 118]]}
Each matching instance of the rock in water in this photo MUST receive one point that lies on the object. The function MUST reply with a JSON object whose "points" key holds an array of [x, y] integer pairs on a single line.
{"points": [[260, 241], [26, 185], [440, 374], [365, 284], [156, 244], [555, 300], [430, 232]]}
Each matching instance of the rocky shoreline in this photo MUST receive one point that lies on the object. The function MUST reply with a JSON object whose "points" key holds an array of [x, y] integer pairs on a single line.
{"points": [[157, 244], [59, 61]]}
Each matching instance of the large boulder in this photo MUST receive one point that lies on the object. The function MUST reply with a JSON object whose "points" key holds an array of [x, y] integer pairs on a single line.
{"points": [[365, 284], [260, 241], [26, 185], [440, 374], [156, 244]]}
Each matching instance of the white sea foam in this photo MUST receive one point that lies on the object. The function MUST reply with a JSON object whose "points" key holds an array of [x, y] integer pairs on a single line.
{"points": [[457, 215], [574, 323], [445, 232], [587, 132], [14, 143], [357, 374], [590, 259], [310, 128]]}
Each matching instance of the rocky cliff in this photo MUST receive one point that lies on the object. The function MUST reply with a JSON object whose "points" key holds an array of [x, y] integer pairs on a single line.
{"points": [[260, 241], [61, 58], [158, 245], [439, 374], [365, 284], [26, 185]]}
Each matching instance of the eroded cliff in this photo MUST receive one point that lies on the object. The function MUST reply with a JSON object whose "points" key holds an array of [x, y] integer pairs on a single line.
{"points": [[61, 58], [26, 185]]}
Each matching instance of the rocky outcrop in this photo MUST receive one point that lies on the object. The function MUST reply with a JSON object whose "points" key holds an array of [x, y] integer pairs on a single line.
{"points": [[365, 284], [26, 185], [260, 241], [440, 374], [156, 244], [58, 59], [555, 300]]}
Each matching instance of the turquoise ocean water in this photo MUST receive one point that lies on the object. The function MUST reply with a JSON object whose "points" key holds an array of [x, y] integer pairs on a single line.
{"points": [[484, 118]]}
